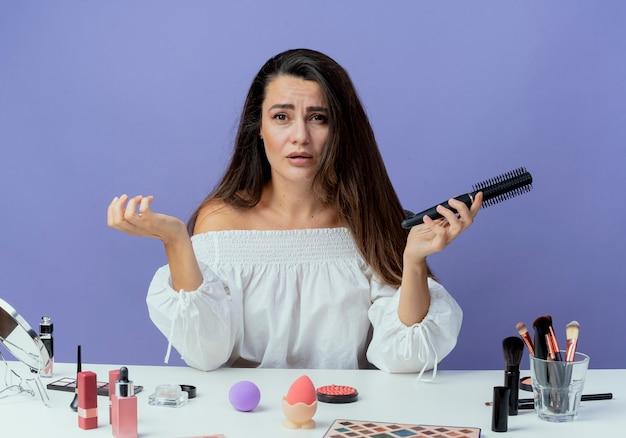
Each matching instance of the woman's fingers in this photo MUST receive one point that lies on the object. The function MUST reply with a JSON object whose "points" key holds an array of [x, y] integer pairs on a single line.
{"points": [[455, 224], [110, 212], [437, 234], [144, 205], [115, 215], [131, 208], [477, 204], [441, 238], [464, 212], [118, 209], [438, 228], [432, 222]]}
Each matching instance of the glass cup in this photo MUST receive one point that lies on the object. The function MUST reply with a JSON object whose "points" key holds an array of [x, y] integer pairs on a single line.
{"points": [[558, 386]]}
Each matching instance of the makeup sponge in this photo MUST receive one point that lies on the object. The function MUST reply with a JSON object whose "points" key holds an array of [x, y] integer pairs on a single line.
{"points": [[302, 390], [244, 396]]}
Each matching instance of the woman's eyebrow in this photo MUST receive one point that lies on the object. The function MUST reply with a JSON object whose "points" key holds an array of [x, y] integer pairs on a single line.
{"points": [[290, 106]]}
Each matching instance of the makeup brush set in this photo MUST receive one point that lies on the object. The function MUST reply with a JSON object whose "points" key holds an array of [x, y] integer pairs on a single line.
{"points": [[552, 368], [545, 345], [548, 370], [557, 375]]}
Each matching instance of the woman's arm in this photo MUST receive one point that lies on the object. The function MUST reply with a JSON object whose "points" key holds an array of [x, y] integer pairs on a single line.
{"points": [[134, 216], [199, 323], [414, 293], [184, 268], [399, 348], [423, 240]]}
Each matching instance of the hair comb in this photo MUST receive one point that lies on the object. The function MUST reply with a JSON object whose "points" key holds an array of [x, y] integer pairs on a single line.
{"points": [[495, 190]]}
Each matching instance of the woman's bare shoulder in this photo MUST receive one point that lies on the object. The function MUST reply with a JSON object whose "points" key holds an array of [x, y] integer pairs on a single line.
{"points": [[217, 215]]}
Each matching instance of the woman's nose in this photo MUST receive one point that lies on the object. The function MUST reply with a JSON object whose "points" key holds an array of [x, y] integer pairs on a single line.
{"points": [[300, 132]]}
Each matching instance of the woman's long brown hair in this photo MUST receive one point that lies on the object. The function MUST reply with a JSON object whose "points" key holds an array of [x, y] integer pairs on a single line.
{"points": [[351, 173]]}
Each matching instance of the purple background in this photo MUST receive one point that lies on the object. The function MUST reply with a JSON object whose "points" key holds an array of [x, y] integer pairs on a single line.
{"points": [[103, 98]]}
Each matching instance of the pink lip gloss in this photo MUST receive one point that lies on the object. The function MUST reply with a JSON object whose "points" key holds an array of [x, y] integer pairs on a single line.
{"points": [[87, 400], [124, 412]]}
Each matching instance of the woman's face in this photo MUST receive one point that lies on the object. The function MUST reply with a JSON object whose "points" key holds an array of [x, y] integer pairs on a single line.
{"points": [[294, 127]]}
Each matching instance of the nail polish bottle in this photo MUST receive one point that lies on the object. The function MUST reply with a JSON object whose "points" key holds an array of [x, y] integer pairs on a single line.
{"points": [[87, 400], [124, 407]]}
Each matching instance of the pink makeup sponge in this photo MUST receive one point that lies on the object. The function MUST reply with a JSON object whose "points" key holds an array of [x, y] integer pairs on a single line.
{"points": [[244, 396], [302, 390]]}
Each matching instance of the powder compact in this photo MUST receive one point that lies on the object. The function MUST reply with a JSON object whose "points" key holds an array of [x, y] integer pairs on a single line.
{"points": [[337, 394], [168, 395]]}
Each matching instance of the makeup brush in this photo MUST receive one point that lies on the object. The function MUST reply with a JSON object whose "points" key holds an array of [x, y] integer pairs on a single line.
{"points": [[571, 332], [552, 340], [523, 332], [79, 368], [542, 328], [512, 347], [495, 190], [551, 354], [528, 403], [555, 344]]}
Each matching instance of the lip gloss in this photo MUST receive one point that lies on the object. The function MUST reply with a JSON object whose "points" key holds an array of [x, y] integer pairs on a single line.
{"points": [[124, 407], [87, 400]]}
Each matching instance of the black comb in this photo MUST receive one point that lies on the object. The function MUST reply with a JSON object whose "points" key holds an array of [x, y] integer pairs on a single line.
{"points": [[495, 190]]}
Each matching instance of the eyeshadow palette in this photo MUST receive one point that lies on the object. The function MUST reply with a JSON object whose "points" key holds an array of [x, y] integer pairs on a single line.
{"points": [[68, 384], [376, 429]]}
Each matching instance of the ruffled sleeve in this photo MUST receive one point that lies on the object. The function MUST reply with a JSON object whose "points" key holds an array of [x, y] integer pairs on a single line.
{"points": [[398, 348], [199, 323]]}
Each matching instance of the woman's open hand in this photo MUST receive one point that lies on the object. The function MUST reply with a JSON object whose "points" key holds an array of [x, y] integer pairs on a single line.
{"points": [[134, 216], [434, 235]]}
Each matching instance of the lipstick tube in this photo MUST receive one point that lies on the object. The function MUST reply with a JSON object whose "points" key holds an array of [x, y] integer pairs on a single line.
{"points": [[500, 409], [87, 400]]}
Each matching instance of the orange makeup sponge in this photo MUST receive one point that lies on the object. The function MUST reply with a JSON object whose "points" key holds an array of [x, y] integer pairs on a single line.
{"points": [[302, 390]]}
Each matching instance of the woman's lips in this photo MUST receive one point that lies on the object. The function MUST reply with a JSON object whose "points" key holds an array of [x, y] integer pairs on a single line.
{"points": [[300, 161]]}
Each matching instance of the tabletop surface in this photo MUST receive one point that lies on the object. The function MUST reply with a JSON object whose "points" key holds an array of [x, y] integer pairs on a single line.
{"points": [[455, 398]]}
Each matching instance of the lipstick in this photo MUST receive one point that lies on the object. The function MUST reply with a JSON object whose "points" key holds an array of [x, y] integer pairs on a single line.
{"points": [[87, 400]]}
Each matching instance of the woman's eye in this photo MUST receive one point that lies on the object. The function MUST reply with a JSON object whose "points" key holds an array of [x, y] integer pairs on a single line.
{"points": [[319, 118], [280, 116]]}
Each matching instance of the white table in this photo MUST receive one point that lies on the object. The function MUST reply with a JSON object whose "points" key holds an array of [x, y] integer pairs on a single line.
{"points": [[456, 398]]}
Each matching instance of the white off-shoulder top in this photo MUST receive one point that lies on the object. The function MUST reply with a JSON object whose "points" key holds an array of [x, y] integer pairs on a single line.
{"points": [[300, 298]]}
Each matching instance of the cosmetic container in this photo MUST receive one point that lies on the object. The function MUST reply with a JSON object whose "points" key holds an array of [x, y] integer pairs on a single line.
{"points": [[87, 400], [124, 410], [45, 334]]}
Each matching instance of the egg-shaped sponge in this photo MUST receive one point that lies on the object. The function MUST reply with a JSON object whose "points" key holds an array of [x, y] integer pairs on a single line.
{"points": [[301, 391]]}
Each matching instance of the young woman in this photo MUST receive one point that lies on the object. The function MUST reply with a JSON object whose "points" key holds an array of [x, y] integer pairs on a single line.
{"points": [[297, 258]]}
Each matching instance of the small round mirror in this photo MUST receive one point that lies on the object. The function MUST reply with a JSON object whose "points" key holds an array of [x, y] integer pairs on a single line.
{"points": [[21, 340]]}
